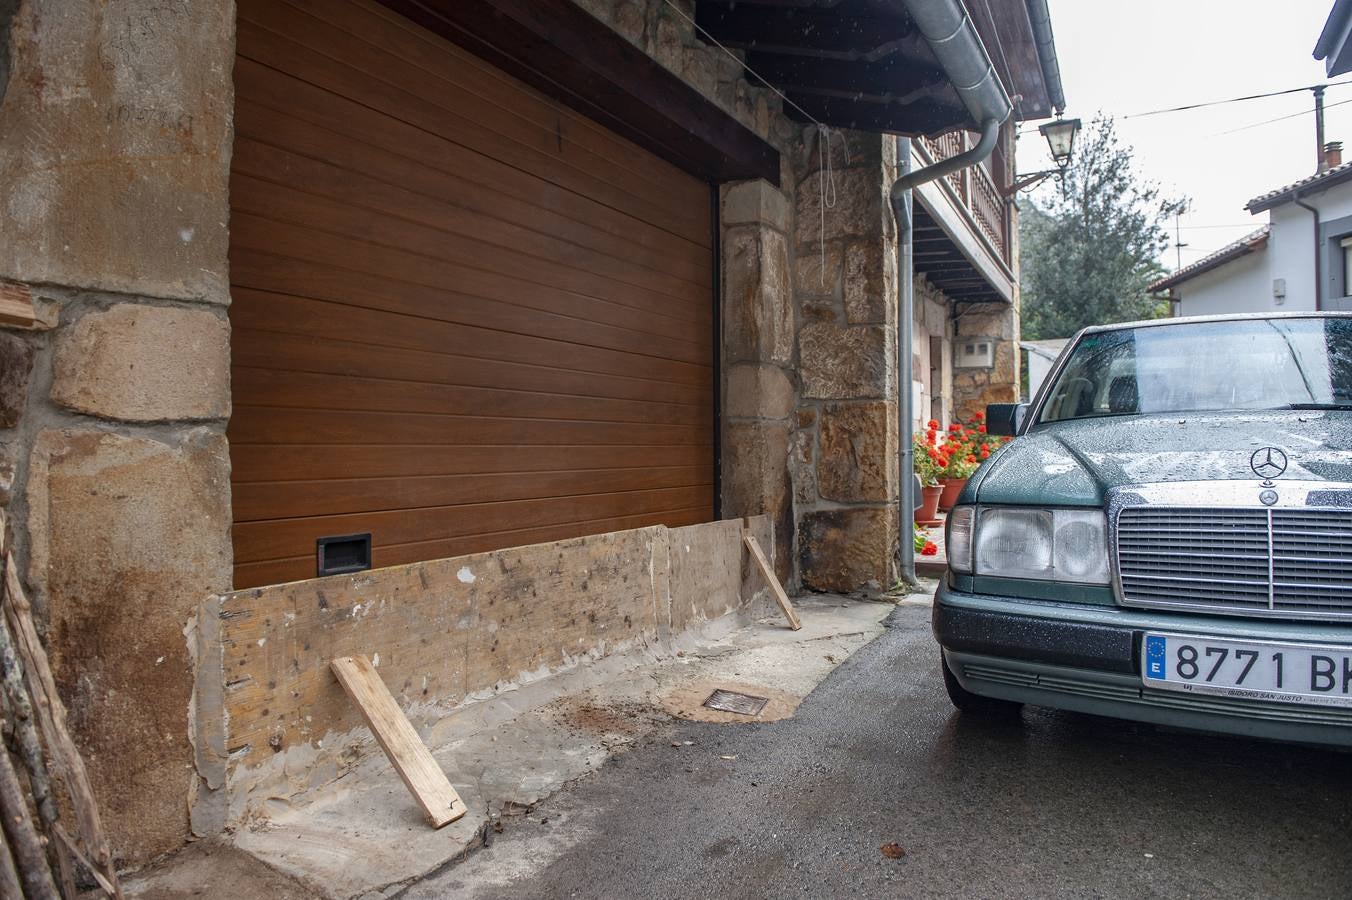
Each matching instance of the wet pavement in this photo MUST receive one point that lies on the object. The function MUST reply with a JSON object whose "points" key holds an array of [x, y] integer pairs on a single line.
{"points": [[1049, 804]]}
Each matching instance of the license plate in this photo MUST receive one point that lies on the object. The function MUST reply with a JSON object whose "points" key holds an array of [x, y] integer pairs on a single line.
{"points": [[1257, 670]]}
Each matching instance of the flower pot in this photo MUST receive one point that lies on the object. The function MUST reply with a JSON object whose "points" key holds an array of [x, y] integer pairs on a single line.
{"points": [[952, 487], [929, 506]]}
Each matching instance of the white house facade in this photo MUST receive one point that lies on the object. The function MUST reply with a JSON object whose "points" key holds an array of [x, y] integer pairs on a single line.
{"points": [[1299, 261]]}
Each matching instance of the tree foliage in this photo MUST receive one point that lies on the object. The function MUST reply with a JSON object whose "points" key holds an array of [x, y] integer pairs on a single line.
{"points": [[1089, 251]]}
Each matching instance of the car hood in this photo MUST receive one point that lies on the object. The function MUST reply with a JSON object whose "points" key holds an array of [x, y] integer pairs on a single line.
{"points": [[1076, 463]]}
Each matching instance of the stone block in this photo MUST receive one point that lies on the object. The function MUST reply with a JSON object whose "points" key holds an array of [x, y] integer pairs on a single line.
{"points": [[629, 21], [845, 362], [802, 470], [755, 203], [698, 71], [145, 363], [870, 281], [115, 165], [16, 369], [817, 271], [667, 48], [858, 460], [757, 308], [757, 391], [849, 550], [756, 480], [857, 211], [127, 536], [1006, 368]]}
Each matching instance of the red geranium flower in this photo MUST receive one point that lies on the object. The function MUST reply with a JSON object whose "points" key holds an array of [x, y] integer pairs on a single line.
{"points": [[930, 549], [978, 417], [955, 427], [981, 429], [932, 424]]}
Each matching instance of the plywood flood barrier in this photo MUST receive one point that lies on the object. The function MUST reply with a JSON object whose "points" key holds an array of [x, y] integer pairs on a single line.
{"points": [[270, 716]]}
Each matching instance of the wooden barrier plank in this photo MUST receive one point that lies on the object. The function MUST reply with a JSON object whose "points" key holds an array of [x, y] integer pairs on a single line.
{"points": [[410, 756], [775, 587]]}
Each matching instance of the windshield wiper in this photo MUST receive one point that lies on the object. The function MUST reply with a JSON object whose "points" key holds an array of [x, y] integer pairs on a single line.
{"points": [[1319, 406]]}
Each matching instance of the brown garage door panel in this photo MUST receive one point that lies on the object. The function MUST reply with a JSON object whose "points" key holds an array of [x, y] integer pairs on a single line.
{"points": [[520, 143], [463, 316], [280, 352], [322, 115], [279, 463], [460, 176]]}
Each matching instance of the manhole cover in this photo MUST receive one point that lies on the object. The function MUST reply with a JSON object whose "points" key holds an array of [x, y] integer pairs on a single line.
{"points": [[733, 702]]}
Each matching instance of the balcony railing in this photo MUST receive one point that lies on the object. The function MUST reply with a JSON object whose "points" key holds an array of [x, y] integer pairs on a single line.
{"points": [[976, 191]]}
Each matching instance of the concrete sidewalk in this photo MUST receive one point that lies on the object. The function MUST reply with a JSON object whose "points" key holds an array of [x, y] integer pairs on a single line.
{"points": [[364, 836]]}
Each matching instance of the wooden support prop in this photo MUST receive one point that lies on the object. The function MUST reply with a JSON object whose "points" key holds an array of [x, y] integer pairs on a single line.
{"points": [[411, 758], [775, 587]]}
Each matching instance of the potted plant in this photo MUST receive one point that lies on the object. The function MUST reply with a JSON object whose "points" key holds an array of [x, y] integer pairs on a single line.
{"points": [[929, 465]]}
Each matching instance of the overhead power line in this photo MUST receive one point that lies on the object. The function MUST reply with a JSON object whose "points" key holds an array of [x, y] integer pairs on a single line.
{"points": [[1294, 115], [1208, 103], [1185, 108]]}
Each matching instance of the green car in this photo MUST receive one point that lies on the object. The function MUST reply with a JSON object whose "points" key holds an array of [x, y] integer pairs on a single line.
{"points": [[1169, 536]]}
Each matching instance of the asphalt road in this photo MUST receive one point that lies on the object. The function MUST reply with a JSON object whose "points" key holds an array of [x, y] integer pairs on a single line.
{"points": [[1048, 805]]}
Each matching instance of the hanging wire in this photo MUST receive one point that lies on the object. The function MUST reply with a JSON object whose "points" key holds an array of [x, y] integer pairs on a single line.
{"points": [[1303, 112], [826, 177], [733, 56]]}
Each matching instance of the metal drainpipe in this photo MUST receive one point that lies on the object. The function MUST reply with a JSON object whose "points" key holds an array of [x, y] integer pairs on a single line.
{"points": [[1318, 256], [901, 210], [900, 199], [949, 31]]}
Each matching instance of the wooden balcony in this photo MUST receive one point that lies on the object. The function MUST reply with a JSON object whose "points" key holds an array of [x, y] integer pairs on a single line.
{"points": [[977, 191], [962, 236]]}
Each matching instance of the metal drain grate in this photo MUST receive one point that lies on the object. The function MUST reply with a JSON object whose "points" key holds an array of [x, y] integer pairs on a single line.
{"points": [[733, 702]]}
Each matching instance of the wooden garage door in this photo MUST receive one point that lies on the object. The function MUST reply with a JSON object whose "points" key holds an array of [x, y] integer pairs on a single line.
{"points": [[464, 317]]}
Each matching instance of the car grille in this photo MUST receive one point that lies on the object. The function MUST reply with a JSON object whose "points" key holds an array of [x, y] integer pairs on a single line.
{"points": [[1294, 563]]}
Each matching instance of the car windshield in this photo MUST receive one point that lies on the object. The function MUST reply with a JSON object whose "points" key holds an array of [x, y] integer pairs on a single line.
{"points": [[1245, 364]]}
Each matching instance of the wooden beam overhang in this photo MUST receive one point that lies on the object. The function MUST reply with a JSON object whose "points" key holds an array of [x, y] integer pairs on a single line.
{"points": [[563, 51], [862, 64], [950, 267], [857, 64]]}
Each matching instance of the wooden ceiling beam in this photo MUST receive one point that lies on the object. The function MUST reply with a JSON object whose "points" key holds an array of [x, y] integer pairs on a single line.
{"points": [[803, 29]]}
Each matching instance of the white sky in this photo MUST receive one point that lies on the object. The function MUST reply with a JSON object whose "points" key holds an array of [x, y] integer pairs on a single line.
{"points": [[1130, 57]]}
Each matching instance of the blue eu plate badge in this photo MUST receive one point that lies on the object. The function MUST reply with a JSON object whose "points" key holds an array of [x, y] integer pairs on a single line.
{"points": [[1154, 656]]}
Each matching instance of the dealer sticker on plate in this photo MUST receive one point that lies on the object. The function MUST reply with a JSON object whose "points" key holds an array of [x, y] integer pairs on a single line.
{"points": [[1278, 672]]}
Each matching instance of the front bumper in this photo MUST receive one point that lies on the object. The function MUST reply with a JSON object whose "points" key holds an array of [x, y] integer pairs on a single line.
{"points": [[1087, 659]]}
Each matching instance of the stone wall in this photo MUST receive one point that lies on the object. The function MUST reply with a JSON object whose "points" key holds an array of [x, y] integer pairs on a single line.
{"points": [[845, 452], [114, 154]]}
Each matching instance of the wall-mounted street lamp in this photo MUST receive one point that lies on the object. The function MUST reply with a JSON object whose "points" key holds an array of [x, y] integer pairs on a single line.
{"points": [[1060, 135]]}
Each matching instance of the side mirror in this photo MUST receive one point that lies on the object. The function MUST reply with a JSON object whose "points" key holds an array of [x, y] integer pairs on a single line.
{"points": [[1005, 418]]}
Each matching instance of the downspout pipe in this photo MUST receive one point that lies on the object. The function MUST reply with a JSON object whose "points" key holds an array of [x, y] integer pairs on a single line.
{"points": [[952, 37], [1318, 255]]}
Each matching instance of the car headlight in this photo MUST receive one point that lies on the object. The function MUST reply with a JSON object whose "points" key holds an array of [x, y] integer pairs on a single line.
{"points": [[1027, 542]]}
